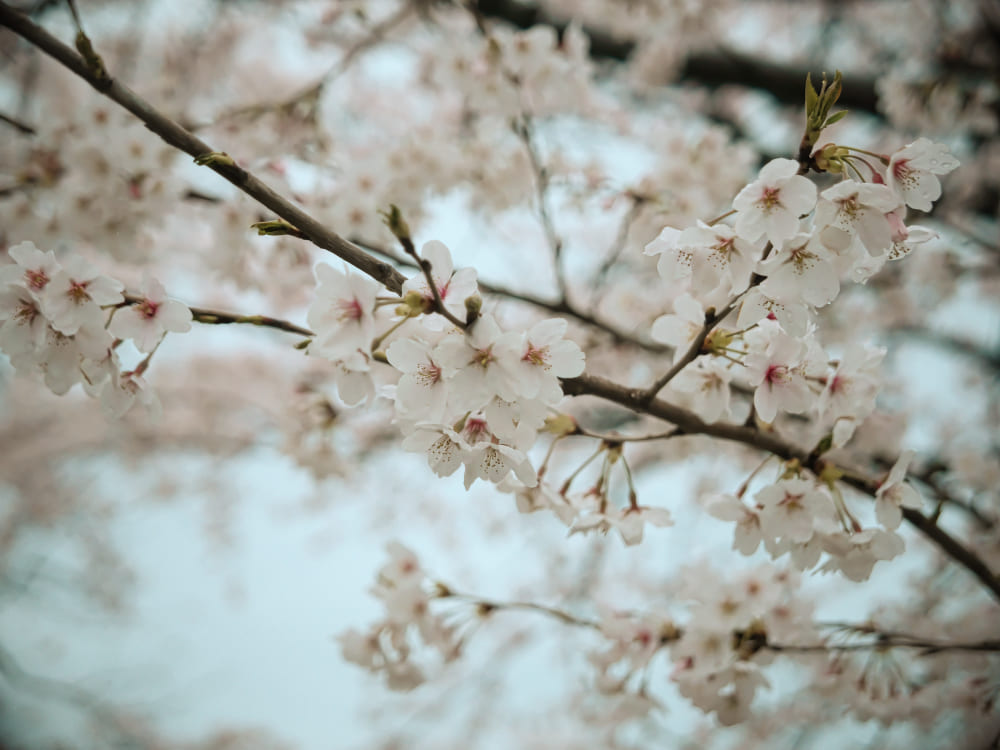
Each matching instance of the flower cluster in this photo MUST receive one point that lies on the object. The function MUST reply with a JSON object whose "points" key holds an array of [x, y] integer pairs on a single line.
{"points": [[65, 322], [474, 398], [388, 646], [785, 255], [805, 517]]}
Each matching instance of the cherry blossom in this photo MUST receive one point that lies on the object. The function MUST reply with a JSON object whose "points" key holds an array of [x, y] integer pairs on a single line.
{"points": [[748, 535], [34, 269], [707, 382], [894, 494], [772, 204], [680, 328], [766, 300], [717, 254], [422, 390], [342, 313], [542, 357], [75, 295], [628, 522], [850, 210], [146, 321], [801, 269], [913, 170], [788, 509], [778, 377]]}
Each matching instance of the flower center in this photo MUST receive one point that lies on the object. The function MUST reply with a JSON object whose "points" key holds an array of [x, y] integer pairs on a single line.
{"points": [[36, 279]]}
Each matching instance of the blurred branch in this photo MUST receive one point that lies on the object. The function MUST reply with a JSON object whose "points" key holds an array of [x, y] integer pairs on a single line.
{"points": [[711, 69], [751, 642], [20, 126]]}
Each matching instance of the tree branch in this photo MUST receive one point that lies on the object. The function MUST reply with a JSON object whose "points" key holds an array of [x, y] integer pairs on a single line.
{"points": [[689, 423], [876, 640], [710, 69], [175, 135]]}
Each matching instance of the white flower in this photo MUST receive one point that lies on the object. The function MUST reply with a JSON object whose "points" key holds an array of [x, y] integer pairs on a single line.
{"points": [[542, 357], [904, 238], [122, 391], [680, 328], [74, 296], [765, 301], [778, 378], [789, 508], [342, 314], [852, 209], [482, 362], [855, 554], [33, 270], [772, 204], [628, 522], [913, 171], [422, 391], [147, 321], [717, 254], [445, 448], [748, 530], [674, 262], [707, 380], [23, 328], [893, 494], [800, 269]]}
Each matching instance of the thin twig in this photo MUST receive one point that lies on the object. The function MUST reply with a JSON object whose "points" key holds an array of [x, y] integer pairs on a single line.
{"points": [[525, 131], [555, 306], [218, 317], [19, 125], [613, 437], [876, 640], [312, 92], [621, 238]]}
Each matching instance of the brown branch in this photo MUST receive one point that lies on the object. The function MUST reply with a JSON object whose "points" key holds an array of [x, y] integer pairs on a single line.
{"points": [[690, 424], [19, 125], [560, 308], [175, 135], [218, 317], [876, 640]]}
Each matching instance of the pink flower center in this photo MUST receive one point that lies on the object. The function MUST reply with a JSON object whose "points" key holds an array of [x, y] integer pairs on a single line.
{"points": [[777, 374], [37, 279], [147, 309], [476, 429], [78, 292], [770, 199], [901, 169], [428, 374], [483, 357], [350, 309], [538, 357]]}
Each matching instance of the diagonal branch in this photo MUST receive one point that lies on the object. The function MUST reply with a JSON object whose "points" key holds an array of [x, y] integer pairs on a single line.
{"points": [[689, 423], [175, 135]]}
